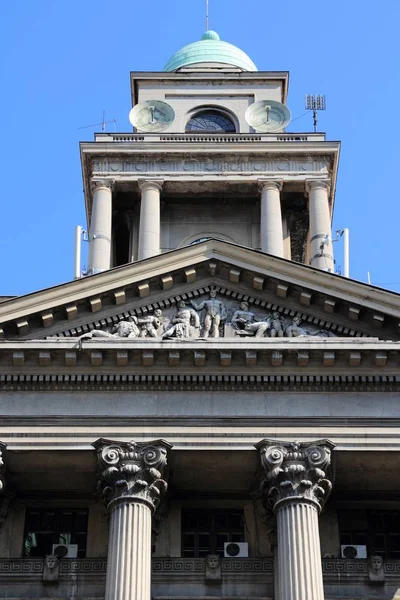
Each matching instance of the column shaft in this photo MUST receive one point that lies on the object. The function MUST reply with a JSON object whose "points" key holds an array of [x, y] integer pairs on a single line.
{"points": [[321, 248], [100, 229], [271, 233], [129, 552], [131, 478], [299, 555], [296, 486], [149, 228]]}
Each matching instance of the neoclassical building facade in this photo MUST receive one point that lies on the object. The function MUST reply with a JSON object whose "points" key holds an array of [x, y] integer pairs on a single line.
{"points": [[210, 411]]}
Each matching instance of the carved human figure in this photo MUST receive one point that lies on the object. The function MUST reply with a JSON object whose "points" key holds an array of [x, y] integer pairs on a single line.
{"points": [[123, 329], [276, 325], [294, 329], [375, 568], [51, 568], [150, 325], [213, 567], [184, 322], [215, 314], [245, 322]]}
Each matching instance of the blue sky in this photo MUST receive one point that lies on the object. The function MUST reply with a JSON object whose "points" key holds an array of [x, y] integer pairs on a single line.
{"points": [[62, 63]]}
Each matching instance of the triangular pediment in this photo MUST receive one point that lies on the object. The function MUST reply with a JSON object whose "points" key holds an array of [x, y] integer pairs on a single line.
{"points": [[326, 304]]}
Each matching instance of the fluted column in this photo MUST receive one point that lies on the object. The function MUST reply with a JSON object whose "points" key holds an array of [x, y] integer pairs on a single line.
{"points": [[295, 487], [271, 231], [149, 227], [100, 228], [321, 248], [131, 479]]}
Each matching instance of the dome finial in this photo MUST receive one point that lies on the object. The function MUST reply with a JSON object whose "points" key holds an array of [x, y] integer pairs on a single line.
{"points": [[207, 15]]}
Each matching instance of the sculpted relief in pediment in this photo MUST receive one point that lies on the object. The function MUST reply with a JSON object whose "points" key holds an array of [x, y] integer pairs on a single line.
{"points": [[210, 317]]}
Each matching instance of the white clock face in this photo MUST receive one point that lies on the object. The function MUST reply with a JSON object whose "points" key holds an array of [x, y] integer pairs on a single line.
{"points": [[152, 116], [267, 116]]}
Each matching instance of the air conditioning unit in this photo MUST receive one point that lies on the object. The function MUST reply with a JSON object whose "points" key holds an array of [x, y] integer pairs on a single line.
{"points": [[236, 549], [65, 550], [350, 551]]}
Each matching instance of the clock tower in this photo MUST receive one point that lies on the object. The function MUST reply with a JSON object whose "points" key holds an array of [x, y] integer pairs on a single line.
{"points": [[232, 400], [209, 157]]}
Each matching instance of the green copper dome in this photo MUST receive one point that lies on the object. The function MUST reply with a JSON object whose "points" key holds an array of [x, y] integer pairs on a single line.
{"points": [[210, 49]]}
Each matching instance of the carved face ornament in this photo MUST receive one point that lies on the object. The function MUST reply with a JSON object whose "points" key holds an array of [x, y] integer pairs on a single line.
{"points": [[376, 563], [213, 561], [51, 561]]}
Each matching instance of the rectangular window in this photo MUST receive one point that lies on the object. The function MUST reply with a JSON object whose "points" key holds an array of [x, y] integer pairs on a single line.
{"points": [[205, 531], [378, 530], [45, 527]]}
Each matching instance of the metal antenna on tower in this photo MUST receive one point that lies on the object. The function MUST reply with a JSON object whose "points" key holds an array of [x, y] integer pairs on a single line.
{"points": [[315, 103], [103, 123], [207, 15]]}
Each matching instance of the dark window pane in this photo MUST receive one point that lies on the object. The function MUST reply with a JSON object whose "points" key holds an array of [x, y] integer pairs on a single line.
{"points": [[204, 521], [375, 521], [345, 539], [45, 527], [221, 539], [393, 542], [236, 521], [188, 540], [189, 521], [209, 120], [212, 529], [66, 521], [48, 521], [391, 522], [204, 540], [360, 539]]}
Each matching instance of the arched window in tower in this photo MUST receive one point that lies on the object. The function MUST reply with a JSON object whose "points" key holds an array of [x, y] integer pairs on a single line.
{"points": [[211, 121]]}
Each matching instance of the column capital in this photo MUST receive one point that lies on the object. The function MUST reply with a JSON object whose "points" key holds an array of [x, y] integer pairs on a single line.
{"points": [[317, 184], [295, 472], [150, 184], [132, 471], [96, 184], [3, 448], [270, 184]]}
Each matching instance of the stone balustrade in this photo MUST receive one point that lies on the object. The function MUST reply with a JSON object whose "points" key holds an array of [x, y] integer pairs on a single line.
{"points": [[209, 137]]}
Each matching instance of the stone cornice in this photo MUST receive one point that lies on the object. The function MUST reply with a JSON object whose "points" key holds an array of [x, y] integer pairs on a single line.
{"points": [[357, 306], [228, 356]]}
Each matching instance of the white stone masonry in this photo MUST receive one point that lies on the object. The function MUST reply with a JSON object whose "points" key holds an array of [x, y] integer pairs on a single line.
{"points": [[271, 232], [131, 478], [149, 227], [295, 488], [321, 248], [100, 228]]}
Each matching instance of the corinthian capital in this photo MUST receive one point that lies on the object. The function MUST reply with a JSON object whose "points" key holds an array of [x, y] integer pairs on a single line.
{"points": [[132, 471], [295, 471], [2, 467]]}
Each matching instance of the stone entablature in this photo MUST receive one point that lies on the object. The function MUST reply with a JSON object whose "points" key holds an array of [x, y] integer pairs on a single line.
{"points": [[285, 167], [304, 355]]}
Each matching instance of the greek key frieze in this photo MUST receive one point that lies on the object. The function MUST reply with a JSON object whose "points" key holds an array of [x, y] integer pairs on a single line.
{"points": [[194, 166]]}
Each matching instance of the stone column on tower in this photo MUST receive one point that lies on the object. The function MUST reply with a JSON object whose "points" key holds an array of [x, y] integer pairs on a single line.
{"points": [[321, 247], [132, 480], [149, 227], [295, 486], [100, 228], [271, 232]]}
